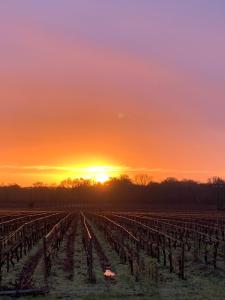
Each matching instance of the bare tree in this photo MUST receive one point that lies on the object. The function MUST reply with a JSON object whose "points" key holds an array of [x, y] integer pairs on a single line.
{"points": [[142, 179]]}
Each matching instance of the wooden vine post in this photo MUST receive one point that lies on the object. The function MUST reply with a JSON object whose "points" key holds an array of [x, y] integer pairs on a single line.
{"points": [[45, 261], [88, 244], [90, 260], [0, 262], [182, 261]]}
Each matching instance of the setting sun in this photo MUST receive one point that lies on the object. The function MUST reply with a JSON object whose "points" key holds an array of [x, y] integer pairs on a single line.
{"points": [[101, 178], [99, 174]]}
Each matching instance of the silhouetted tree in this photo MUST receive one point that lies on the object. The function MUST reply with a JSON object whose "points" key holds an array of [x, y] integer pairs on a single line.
{"points": [[142, 179]]}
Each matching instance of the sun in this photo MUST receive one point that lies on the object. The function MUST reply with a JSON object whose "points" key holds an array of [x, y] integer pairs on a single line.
{"points": [[101, 178], [94, 173], [99, 174]]}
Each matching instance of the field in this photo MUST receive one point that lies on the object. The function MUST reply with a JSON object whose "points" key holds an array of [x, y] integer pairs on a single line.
{"points": [[112, 255]]}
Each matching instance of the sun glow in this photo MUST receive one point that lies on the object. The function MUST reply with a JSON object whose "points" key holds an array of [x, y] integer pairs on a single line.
{"points": [[99, 174], [95, 173], [102, 178]]}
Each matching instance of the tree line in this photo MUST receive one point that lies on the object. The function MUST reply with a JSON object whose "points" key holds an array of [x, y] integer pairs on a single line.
{"points": [[117, 193]]}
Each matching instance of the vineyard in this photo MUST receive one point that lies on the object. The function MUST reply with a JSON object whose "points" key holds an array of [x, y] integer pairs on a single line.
{"points": [[88, 254]]}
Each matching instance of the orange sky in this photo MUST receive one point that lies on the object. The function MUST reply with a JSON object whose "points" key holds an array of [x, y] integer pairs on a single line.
{"points": [[144, 95]]}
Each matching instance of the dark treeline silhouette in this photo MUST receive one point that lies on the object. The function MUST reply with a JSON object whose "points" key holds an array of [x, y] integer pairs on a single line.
{"points": [[117, 193]]}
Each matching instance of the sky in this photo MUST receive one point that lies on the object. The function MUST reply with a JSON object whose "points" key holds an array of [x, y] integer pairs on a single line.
{"points": [[137, 86]]}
